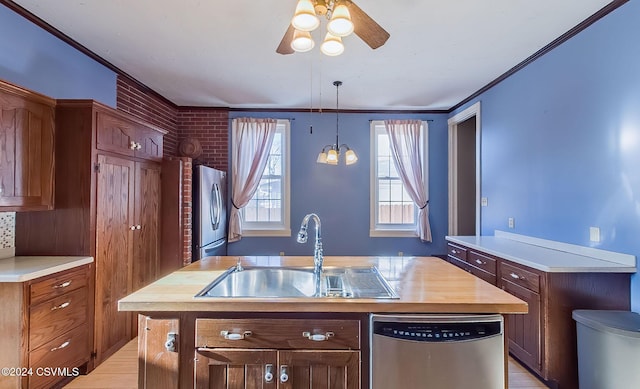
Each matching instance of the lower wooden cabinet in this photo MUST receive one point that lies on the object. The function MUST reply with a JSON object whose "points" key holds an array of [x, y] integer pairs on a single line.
{"points": [[249, 353], [544, 339], [48, 328]]}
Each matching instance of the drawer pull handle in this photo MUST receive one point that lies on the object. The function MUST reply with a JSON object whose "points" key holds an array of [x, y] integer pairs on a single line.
{"points": [[516, 277], [61, 306], [479, 262], [284, 373], [454, 252], [62, 285], [268, 373], [318, 337], [63, 345], [232, 336]]}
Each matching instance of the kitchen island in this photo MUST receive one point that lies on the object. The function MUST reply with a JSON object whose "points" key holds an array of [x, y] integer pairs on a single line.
{"points": [[174, 325]]}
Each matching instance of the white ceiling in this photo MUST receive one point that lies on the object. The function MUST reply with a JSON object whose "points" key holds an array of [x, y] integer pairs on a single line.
{"points": [[222, 53]]}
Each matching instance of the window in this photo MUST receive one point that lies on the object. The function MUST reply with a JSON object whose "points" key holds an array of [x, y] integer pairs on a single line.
{"points": [[393, 213], [267, 213]]}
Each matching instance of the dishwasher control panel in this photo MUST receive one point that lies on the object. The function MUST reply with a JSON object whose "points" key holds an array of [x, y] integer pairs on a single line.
{"points": [[437, 332]]}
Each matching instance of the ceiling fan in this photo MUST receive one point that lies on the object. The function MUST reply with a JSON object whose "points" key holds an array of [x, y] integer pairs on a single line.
{"points": [[362, 24]]}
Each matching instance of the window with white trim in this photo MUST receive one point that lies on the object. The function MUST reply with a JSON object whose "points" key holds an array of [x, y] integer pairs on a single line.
{"points": [[392, 213], [267, 213]]}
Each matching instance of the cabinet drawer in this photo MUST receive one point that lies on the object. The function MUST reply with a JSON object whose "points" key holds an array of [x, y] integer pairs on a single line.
{"points": [[59, 284], [457, 252], [54, 317], [482, 261], [278, 333], [488, 277], [69, 350], [520, 276]]}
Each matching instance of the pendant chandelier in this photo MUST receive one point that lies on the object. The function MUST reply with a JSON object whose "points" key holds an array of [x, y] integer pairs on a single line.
{"points": [[330, 153]]}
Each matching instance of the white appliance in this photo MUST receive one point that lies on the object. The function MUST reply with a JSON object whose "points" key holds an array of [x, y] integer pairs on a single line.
{"points": [[209, 212], [437, 351]]}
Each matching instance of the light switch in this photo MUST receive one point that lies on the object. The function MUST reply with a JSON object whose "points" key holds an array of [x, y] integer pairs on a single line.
{"points": [[512, 223], [594, 234], [484, 201]]}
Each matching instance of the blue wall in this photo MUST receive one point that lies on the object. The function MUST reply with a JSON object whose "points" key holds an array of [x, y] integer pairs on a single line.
{"points": [[561, 142], [340, 194], [32, 58]]}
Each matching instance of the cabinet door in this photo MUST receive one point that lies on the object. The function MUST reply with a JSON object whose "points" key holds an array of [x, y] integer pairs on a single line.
{"points": [[319, 369], [524, 330], [114, 252], [147, 224], [26, 154], [115, 134], [149, 144], [158, 365], [236, 368]]}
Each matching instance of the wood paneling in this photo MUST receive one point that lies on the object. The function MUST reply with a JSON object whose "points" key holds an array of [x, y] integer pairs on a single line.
{"points": [[146, 252], [158, 367]]}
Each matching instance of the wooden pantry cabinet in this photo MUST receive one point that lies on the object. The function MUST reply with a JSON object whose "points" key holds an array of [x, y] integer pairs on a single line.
{"points": [[26, 149], [544, 339], [46, 324], [108, 179]]}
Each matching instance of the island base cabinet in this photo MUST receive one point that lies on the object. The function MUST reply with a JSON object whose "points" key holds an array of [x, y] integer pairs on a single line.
{"points": [[283, 369], [158, 356]]}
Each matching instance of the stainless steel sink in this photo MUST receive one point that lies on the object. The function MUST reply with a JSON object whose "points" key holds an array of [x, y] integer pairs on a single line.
{"points": [[269, 282]]}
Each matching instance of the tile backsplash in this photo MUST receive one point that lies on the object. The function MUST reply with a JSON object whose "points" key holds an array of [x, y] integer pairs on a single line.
{"points": [[7, 230]]}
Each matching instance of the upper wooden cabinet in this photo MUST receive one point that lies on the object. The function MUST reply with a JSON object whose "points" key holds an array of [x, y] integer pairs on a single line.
{"points": [[127, 137], [26, 149]]}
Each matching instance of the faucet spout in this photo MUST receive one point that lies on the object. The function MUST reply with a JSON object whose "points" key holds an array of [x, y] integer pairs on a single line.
{"points": [[317, 250]]}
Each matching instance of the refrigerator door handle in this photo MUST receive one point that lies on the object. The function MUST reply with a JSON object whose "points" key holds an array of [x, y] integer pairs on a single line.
{"points": [[220, 205], [214, 211]]}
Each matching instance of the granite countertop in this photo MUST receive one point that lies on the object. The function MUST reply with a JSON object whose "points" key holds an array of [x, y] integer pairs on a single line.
{"points": [[424, 285], [21, 269], [549, 256]]}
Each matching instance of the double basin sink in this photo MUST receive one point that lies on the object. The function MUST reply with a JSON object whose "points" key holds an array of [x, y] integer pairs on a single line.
{"points": [[295, 282]]}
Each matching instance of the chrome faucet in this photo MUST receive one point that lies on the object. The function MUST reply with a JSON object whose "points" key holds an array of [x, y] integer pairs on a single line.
{"points": [[302, 238]]}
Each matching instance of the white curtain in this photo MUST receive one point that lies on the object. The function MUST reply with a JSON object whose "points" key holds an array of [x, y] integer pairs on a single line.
{"points": [[407, 149], [252, 143]]}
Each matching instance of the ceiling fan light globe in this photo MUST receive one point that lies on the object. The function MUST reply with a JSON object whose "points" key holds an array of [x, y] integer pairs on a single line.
{"points": [[305, 19], [332, 45], [302, 41], [340, 23]]}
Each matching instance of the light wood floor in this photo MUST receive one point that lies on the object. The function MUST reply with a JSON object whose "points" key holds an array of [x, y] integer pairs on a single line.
{"points": [[121, 372]]}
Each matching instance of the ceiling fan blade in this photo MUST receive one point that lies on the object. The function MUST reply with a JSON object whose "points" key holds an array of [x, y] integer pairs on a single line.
{"points": [[285, 44], [366, 28]]}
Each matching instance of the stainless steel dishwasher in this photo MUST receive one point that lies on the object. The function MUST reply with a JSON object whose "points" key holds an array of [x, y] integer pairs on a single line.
{"points": [[437, 351]]}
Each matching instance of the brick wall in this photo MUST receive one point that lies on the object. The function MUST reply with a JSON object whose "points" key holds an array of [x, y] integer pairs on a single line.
{"points": [[148, 106], [210, 126]]}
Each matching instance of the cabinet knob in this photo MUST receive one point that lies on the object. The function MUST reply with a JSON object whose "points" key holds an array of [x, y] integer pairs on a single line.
{"points": [[284, 373], [132, 228], [268, 373], [138, 227], [318, 337], [138, 146], [132, 145]]}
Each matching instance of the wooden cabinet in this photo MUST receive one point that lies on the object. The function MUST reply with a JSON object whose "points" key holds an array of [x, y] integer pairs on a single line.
{"points": [[544, 339], [158, 353], [277, 353], [107, 206], [26, 149], [48, 324]]}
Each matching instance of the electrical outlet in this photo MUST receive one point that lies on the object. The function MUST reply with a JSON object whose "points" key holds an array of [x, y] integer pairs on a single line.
{"points": [[594, 234], [484, 202], [512, 223], [282, 253]]}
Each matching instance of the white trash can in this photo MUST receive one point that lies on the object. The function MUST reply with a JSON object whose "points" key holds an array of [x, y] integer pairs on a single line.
{"points": [[608, 349]]}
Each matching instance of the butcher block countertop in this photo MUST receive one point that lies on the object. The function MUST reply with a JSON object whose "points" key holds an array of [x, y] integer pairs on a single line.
{"points": [[424, 284]]}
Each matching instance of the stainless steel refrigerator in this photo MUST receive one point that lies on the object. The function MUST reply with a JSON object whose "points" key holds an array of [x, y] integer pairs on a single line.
{"points": [[209, 212]]}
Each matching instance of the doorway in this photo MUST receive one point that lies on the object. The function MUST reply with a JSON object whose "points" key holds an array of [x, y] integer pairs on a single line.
{"points": [[464, 172]]}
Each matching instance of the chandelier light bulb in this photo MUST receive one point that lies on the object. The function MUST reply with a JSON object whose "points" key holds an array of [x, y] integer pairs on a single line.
{"points": [[305, 19], [332, 45], [340, 23], [302, 41]]}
